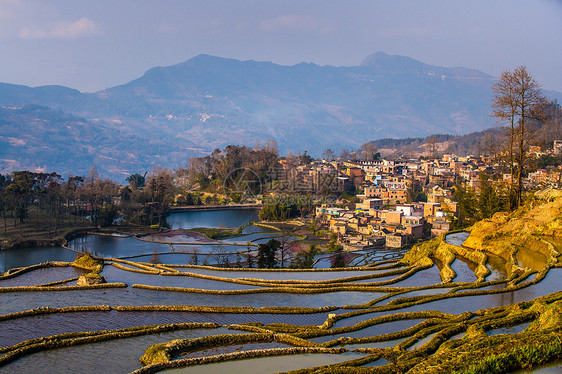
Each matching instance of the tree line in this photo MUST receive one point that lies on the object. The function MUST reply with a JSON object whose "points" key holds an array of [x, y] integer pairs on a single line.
{"points": [[38, 198], [235, 170], [34, 198]]}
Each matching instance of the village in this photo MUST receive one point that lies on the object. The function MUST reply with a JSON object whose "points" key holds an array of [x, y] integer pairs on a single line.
{"points": [[386, 212]]}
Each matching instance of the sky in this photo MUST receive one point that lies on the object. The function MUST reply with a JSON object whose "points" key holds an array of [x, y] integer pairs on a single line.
{"points": [[92, 45]]}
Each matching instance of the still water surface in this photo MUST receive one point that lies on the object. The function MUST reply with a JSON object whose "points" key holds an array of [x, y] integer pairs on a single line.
{"points": [[21, 257], [122, 355], [212, 218]]}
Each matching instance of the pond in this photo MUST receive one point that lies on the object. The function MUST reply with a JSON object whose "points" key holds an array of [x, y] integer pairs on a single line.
{"points": [[212, 218], [139, 250]]}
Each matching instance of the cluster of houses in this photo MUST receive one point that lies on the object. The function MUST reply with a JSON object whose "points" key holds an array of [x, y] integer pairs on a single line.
{"points": [[370, 225], [549, 176], [383, 217]]}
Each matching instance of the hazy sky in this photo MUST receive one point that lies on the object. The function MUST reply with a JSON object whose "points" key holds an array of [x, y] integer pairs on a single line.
{"points": [[91, 45]]}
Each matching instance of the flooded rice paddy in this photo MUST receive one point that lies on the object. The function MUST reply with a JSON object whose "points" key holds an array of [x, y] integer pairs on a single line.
{"points": [[326, 317]]}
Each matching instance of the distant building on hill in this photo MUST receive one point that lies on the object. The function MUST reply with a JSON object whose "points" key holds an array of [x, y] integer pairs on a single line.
{"points": [[557, 147]]}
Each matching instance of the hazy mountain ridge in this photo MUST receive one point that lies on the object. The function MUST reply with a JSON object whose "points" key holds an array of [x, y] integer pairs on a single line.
{"points": [[39, 138], [208, 102]]}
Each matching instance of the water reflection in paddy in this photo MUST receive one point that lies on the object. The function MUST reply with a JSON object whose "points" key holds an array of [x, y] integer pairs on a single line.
{"points": [[21, 257], [426, 292], [509, 330], [380, 329], [421, 342], [139, 250], [457, 305], [115, 356], [255, 229], [17, 330], [424, 277], [211, 351], [212, 218], [386, 344], [377, 280], [252, 237], [122, 355], [113, 274], [192, 255], [17, 301], [496, 265], [283, 275], [464, 271], [457, 238], [41, 276], [530, 259], [109, 246], [175, 258], [269, 364]]}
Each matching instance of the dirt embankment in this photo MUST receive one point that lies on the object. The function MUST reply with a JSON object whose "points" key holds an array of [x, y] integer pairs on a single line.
{"points": [[528, 227]]}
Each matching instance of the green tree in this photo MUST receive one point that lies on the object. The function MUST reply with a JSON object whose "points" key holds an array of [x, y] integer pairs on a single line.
{"points": [[338, 260], [490, 200], [467, 206], [136, 180], [266, 254], [107, 215], [20, 193]]}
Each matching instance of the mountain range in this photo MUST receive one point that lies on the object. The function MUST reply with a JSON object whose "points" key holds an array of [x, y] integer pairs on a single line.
{"points": [[207, 102]]}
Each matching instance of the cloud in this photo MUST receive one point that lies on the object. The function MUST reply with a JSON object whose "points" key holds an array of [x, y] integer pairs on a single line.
{"points": [[62, 30], [294, 23]]}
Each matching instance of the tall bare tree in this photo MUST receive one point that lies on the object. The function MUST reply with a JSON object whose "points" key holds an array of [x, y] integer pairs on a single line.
{"points": [[368, 152], [518, 99], [328, 155], [431, 142], [505, 111]]}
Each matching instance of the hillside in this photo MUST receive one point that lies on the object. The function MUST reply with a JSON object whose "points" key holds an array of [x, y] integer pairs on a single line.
{"points": [[530, 228], [482, 142], [209, 102], [38, 138]]}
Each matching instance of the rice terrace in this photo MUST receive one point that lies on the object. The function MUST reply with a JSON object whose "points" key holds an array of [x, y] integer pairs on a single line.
{"points": [[259, 187], [482, 301]]}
